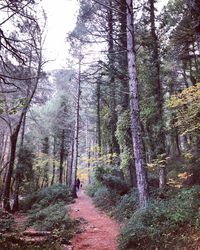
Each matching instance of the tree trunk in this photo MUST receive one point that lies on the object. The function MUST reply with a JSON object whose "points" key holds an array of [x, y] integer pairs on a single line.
{"points": [[54, 158], [140, 166], [17, 176], [76, 137], [6, 195], [89, 165], [123, 62], [23, 130], [98, 93], [124, 87], [62, 151], [160, 142], [70, 160], [162, 177], [3, 152], [131, 167], [113, 118], [15, 207]]}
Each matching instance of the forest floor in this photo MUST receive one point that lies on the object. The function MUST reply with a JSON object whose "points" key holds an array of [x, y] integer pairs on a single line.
{"points": [[98, 231], [29, 234]]}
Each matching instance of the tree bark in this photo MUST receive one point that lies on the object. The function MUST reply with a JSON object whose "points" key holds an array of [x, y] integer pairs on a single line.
{"points": [[70, 164], [54, 158], [98, 94], [15, 207], [140, 165], [17, 176], [89, 165], [113, 118], [162, 177], [62, 151], [76, 137], [124, 87], [160, 142], [6, 195]]}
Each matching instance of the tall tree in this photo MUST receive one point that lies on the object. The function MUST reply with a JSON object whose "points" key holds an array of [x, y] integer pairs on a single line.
{"points": [[139, 156], [158, 94], [76, 136]]}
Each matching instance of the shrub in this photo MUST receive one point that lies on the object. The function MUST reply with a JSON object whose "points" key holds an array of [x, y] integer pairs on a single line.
{"points": [[92, 188], [105, 198], [46, 196], [14, 242], [53, 218], [6, 221], [162, 222], [194, 172], [153, 180], [126, 206], [115, 183], [100, 172], [41, 220]]}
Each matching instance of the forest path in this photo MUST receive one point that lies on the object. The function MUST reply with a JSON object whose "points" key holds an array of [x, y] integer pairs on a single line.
{"points": [[99, 231]]}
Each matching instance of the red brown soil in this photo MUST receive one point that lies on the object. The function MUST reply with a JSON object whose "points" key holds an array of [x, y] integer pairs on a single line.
{"points": [[100, 232]]}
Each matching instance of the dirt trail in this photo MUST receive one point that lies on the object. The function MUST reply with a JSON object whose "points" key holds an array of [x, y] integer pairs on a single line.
{"points": [[100, 232]]}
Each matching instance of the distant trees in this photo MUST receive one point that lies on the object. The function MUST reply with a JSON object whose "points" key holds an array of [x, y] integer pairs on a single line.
{"points": [[110, 111], [53, 123]]}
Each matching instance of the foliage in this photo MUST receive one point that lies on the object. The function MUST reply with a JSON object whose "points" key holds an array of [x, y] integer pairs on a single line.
{"points": [[160, 161], [53, 218], [123, 124], [14, 242], [111, 179], [160, 224], [100, 172], [125, 156], [24, 170], [6, 221], [193, 171], [123, 134], [187, 109], [105, 159], [126, 206], [41, 167], [45, 197], [48, 211], [92, 188], [106, 118], [105, 198], [116, 184]]}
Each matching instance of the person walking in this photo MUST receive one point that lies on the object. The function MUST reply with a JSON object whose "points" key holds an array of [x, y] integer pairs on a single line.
{"points": [[78, 184]]}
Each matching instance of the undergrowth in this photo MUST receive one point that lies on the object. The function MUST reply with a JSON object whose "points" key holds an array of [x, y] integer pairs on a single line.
{"points": [[7, 223], [47, 211], [172, 218], [163, 224], [13, 242], [105, 198], [53, 218], [126, 206], [45, 197]]}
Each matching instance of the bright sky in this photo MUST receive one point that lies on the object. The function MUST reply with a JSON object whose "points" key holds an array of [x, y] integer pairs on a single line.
{"points": [[61, 18]]}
